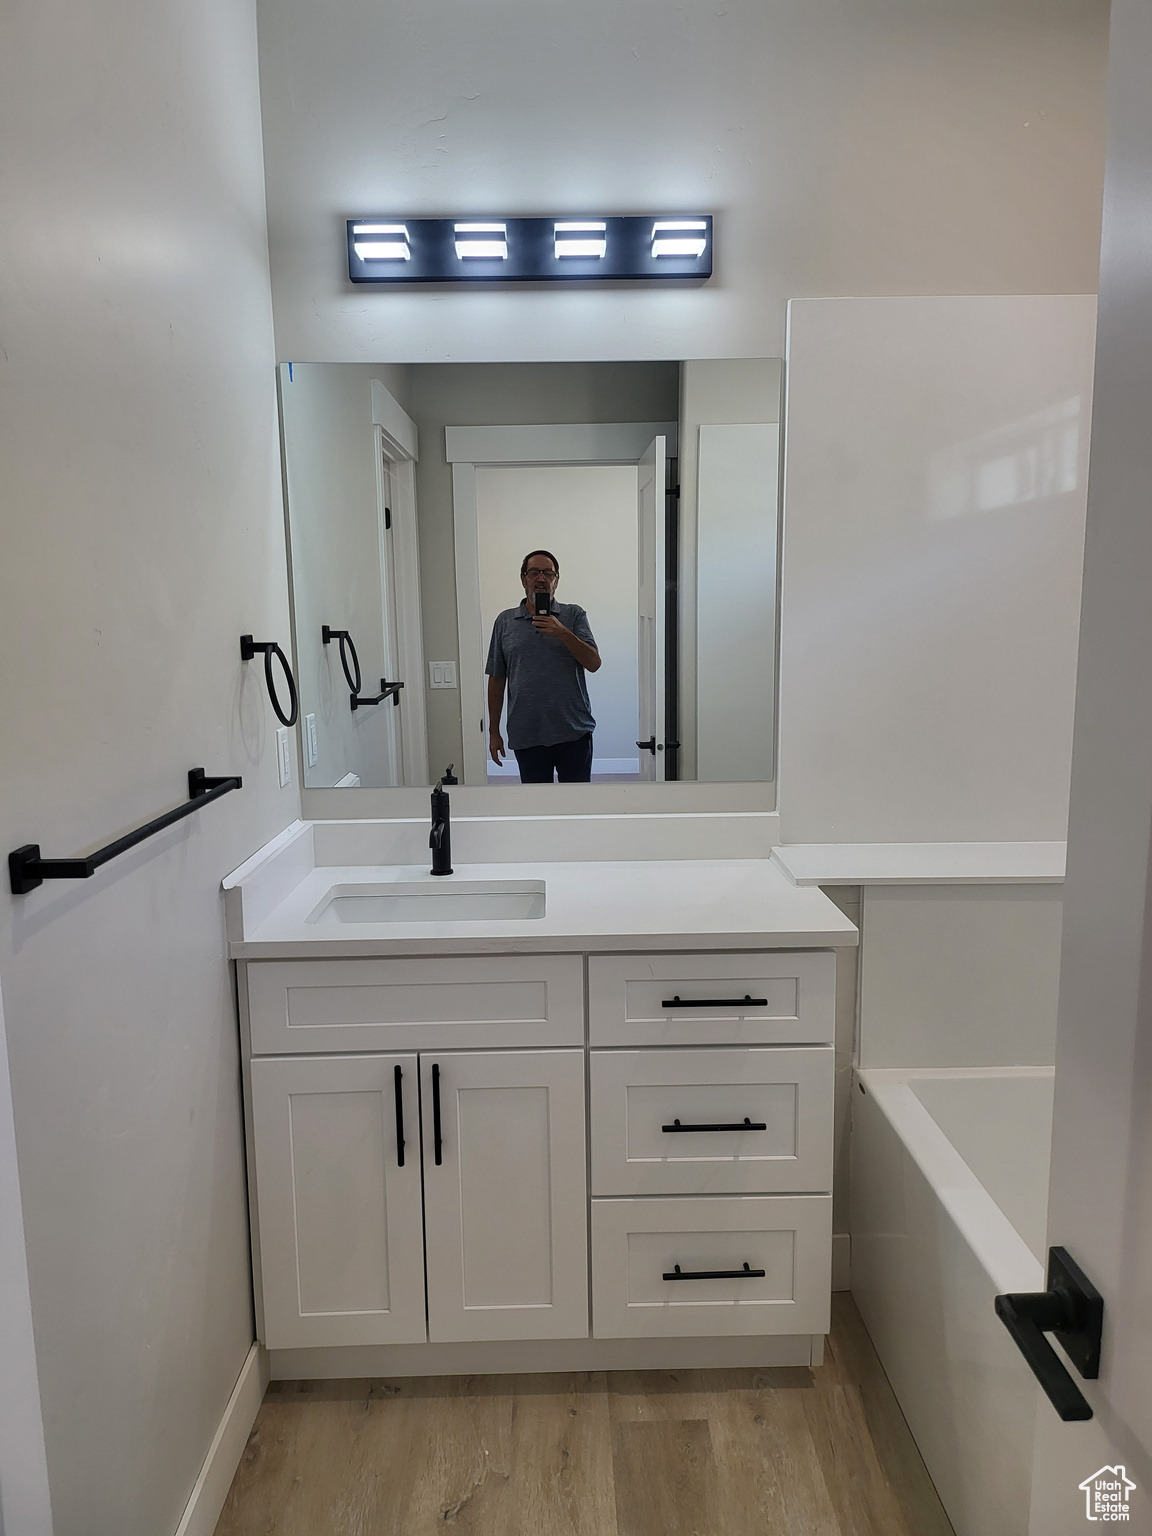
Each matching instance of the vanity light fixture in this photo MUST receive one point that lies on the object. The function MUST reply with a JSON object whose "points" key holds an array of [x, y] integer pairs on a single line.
{"points": [[381, 242], [580, 238], [387, 249], [679, 237], [488, 241]]}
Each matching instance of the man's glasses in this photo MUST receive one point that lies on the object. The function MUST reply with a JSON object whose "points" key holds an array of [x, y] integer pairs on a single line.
{"points": [[536, 570]]}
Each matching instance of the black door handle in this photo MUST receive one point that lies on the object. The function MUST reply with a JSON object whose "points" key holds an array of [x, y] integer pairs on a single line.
{"points": [[1071, 1308], [744, 1125], [399, 1081], [437, 1139], [715, 1274], [648, 746], [714, 1002]]}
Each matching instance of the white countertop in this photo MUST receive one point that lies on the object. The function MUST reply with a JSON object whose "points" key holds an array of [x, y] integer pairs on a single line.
{"points": [[807, 864], [625, 905]]}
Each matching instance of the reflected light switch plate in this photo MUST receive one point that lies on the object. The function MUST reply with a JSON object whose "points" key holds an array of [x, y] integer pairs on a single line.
{"points": [[310, 740], [441, 674], [284, 756]]}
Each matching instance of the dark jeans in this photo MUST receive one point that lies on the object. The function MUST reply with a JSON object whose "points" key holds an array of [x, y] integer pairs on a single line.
{"points": [[571, 761]]}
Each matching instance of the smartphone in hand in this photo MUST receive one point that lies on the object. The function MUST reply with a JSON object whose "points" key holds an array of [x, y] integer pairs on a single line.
{"points": [[542, 604]]}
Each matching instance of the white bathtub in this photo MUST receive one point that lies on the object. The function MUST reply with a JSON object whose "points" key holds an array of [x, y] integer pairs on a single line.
{"points": [[949, 1198]]}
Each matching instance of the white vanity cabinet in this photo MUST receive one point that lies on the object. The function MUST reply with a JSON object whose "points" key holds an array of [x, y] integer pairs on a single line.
{"points": [[345, 1147], [434, 1140]]}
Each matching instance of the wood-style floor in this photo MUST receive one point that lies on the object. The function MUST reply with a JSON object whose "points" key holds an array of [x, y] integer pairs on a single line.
{"points": [[785, 1452]]}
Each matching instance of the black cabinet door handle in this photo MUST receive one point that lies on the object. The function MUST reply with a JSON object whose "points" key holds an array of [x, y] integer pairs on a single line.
{"points": [[399, 1081], [437, 1139], [744, 1125], [715, 1274], [714, 1002], [1073, 1310]]}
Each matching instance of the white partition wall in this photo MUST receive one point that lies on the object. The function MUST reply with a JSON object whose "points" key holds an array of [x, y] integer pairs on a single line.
{"points": [[934, 493]]}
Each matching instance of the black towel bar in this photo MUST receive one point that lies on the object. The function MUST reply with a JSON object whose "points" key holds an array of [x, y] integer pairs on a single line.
{"points": [[387, 691], [351, 664], [27, 870]]}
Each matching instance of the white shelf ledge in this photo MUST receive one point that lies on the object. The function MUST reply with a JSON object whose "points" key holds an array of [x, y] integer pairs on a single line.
{"points": [[921, 863]]}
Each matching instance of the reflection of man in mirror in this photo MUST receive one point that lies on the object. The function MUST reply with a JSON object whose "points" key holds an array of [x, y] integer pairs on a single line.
{"points": [[541, 658]]}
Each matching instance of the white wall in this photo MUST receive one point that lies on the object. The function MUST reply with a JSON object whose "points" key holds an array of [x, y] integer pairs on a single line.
{"points": [[934, 491], [844, 146], [959, 975], [586, 515], [713, 392], [737, 490], [334, 533], [143, 533]]}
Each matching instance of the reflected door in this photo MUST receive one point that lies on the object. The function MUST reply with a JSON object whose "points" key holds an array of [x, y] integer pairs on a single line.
{"points": [[650, 609]]}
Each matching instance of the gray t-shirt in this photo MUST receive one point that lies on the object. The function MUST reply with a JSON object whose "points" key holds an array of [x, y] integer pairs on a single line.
{"points": [[547, 694]]}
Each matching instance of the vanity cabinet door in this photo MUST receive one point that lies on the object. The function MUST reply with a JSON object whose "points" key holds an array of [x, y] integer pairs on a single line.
{"points": [[506, 1210], [338, 1201]]}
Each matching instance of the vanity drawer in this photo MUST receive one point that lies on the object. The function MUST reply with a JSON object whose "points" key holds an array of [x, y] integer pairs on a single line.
{"points": [[700, 999], [408, 1004], [785, 1095], [637, 1243]]}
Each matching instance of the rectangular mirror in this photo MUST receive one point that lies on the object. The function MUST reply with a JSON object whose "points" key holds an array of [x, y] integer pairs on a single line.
{"points": [[416, 491]]}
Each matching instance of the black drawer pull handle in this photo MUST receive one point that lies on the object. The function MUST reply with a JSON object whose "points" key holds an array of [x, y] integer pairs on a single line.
{"points": [[715, 1274], [437, 1139], [744, 1125], [399, 1079], [714, 1002]]}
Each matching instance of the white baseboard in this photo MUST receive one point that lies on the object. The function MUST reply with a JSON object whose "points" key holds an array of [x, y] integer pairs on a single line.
{"points": [[207, 1500], [534, 1356], [841, 1261]]}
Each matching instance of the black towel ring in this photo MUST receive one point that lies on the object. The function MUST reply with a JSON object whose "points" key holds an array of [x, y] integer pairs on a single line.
{"points": [[248, 649], [351, 676]]}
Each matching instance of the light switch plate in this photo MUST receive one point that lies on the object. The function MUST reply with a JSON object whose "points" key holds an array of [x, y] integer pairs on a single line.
{"points": [[284, 756], [441, 674], [310, 739]]}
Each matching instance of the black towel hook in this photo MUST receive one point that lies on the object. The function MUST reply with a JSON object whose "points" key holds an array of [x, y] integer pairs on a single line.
{"points": [[248, 649]]}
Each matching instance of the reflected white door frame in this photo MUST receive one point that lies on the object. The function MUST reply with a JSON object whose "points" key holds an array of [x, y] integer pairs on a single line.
{"points": [[465, 448], [650, 724], [397, 452]]}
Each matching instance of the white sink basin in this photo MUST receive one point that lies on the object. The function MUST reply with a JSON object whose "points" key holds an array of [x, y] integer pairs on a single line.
{"points": [[432, 901]]}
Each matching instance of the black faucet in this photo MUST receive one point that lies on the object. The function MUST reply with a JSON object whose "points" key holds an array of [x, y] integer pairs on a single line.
{"points": [[440, 840]]}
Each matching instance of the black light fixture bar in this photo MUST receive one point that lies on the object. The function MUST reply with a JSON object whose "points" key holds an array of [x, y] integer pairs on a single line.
{"points": [[387, 249]]}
